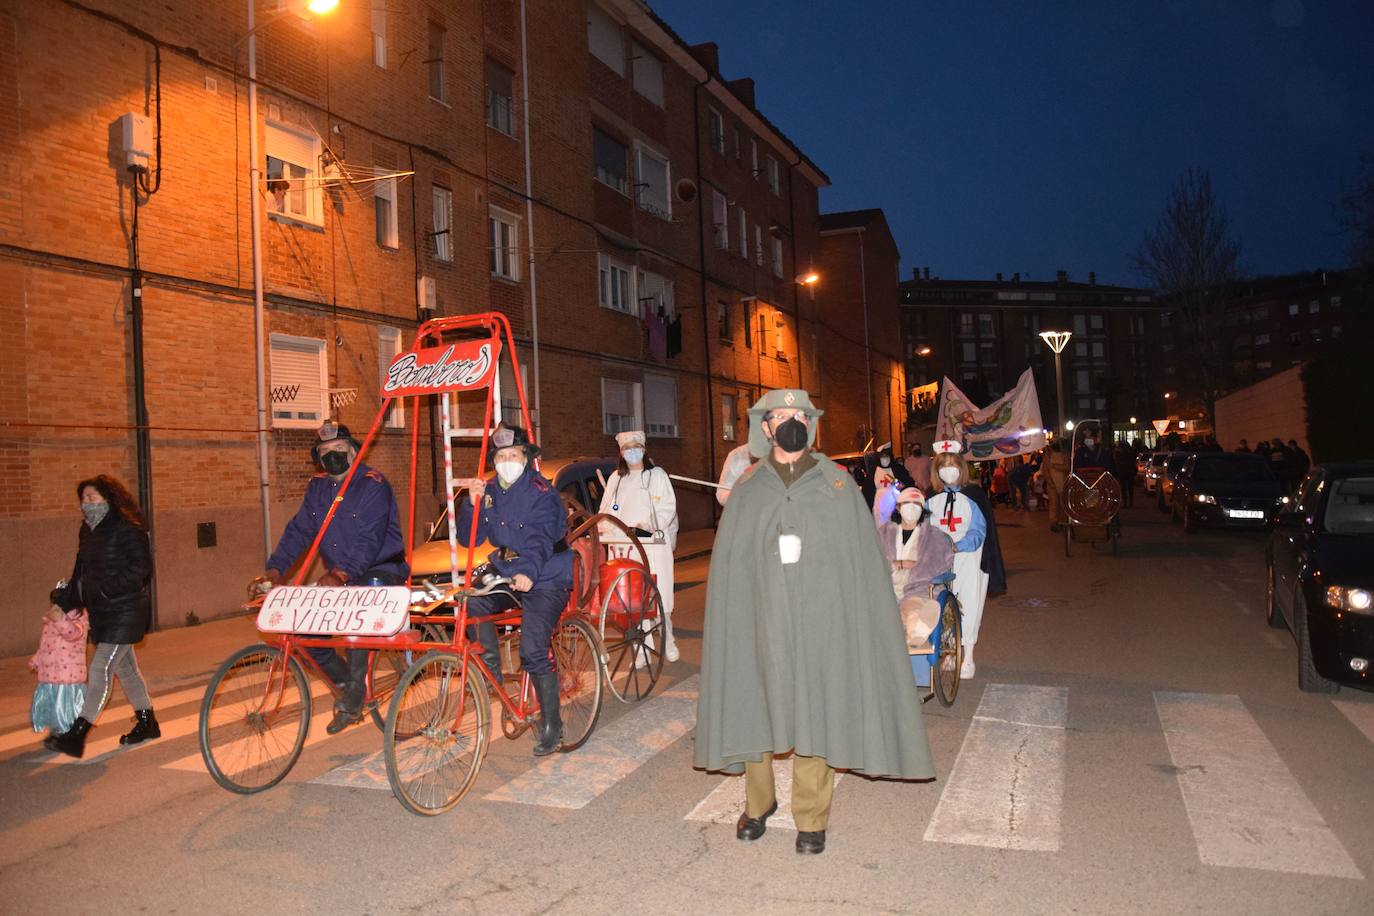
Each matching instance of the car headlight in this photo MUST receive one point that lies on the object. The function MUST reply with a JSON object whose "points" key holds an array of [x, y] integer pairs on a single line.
{"points": [[1204, 498], [1355, 600], [1281, 501]]}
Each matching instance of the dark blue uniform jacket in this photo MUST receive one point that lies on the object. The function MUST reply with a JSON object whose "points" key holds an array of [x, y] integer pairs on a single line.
{"points": [[527, 520], [365, 533]]}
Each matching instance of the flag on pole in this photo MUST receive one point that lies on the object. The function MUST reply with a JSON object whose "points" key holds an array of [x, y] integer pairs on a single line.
{"points": [[1010, 426]]}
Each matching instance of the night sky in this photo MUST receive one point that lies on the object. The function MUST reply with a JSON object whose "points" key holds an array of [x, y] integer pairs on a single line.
{"points": [[1041, 136]]}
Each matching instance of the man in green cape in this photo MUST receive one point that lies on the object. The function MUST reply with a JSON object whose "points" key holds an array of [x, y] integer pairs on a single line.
{"points": [[803, 648]]}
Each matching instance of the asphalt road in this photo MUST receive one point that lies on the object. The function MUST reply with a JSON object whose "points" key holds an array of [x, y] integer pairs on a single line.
{"points": [[1134, 742]]}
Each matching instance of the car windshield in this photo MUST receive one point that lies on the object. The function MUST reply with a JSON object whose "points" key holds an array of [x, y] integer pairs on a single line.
{"points": [[1350, 507], [1229, 468]]}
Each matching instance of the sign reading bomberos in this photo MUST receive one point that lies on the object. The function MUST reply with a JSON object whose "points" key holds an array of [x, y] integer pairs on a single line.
{"points": [[380, 610], [434, 370]]}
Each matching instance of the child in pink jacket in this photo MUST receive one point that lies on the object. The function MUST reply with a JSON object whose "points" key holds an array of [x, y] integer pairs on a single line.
{"points": [[60, 663]]}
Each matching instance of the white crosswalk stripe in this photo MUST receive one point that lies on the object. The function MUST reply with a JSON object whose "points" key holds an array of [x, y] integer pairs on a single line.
{"points": [[114, 713], [1007, 786], [726, 801], [1244, 805]]}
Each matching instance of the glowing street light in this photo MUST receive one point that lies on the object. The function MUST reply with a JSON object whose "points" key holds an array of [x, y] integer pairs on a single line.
{"points": [[1057, 341], [808, 278], [923, 351], [320, 7]]}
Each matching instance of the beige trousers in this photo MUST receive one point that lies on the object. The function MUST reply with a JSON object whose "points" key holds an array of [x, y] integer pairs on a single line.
{"points": [[813, 785]]}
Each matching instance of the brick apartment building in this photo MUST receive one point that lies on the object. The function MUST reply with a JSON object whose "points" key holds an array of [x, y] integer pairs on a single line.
{"points": [[983, 334], [419, 158]]}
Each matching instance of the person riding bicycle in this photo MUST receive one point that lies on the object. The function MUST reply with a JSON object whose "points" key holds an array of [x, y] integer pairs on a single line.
{"points": [[363, 546], [523, 517]]}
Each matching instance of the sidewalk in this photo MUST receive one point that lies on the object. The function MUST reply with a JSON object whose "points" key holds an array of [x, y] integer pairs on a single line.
{"points": [[693, 544]]}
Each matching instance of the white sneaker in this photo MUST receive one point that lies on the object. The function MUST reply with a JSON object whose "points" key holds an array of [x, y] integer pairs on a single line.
{"points": [[967, 669], [670, 650]]}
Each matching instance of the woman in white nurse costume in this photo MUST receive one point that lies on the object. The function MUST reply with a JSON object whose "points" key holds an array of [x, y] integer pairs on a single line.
{"points": [[956, 515], [641, 496]]}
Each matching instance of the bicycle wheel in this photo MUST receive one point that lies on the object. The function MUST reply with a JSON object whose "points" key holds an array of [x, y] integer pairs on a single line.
{"points": [[384, 672], [631, 632], [577, 659], [254, 719], [951, 651], [448, 717]]}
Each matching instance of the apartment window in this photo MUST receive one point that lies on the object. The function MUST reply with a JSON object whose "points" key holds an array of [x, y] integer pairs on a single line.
{"points": [[754, 158], [620, 406], [747, 307], [660, 405], [614, 282], [652, 176], [774, 178], [729, 414], [970, 351], [384, 200], [985, 324], [438, 80], [1335, 302], [1080, 349], [655, 293], [388, 348], [1314, 307], [1080, 382], [1264, 364], [503, 241], [609, 155], [739, 143], [1316, 335], [777, 257], [646, 74], [605, 39], [723, 329], [720, 220], [758, 245], [1080, 325], [1335, 331], [510, 392], [966, 323], [1095, 322], [1292, 309], [743, 219], [500, 98], [300, 382], [1099, 350], [1261, 340], [293, 170], [1294, 338], [716, 122], [379, 36], [442, 199]]}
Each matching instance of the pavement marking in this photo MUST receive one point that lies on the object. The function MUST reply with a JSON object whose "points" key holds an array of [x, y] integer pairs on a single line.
{"points": [[191, 724], [726, 801], [26, 735], [1006, 789], [1361, 715], [609, 756], [1244, 805], [1223, 586], [1244, 608], [1275, 640]]}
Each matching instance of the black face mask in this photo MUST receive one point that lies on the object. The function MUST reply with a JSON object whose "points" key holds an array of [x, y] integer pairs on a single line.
{"points": [[334, 463], [790, 435]]}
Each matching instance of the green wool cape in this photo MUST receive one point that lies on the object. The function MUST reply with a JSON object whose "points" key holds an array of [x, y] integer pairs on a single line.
{"points": [[810, 656]]}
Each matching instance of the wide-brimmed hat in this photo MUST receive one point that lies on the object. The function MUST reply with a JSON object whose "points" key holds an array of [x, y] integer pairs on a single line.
{"points": [[630, 437], [780, 399]]}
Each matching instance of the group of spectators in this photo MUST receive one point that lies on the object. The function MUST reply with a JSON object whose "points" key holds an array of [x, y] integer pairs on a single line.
{"points": [[1287, 460]]}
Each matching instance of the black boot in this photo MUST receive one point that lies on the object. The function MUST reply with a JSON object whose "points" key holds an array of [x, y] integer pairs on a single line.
{"points": [[491, 649], [549, 731], [145, 729], [71, 742], [348, 709]]}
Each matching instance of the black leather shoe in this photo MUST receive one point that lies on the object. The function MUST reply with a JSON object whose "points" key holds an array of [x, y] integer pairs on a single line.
{"points": [[811, 842], [750, 829], [342, 719]]}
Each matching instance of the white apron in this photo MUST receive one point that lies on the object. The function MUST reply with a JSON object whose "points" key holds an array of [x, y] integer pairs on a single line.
{"points": [[970, 582]]}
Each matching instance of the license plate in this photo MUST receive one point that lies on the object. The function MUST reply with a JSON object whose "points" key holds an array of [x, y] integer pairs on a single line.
{"points": [[1245, 513]]}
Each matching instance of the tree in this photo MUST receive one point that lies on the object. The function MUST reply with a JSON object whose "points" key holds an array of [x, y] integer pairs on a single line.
{"points": [[1357, 214], [1192, 261]]}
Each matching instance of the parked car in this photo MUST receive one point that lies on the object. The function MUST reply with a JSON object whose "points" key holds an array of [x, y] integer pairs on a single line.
{"points": [[1142, 462], [1321, 580], [574, 478], [1225, 489], [1164, 484], [1154, 469]]}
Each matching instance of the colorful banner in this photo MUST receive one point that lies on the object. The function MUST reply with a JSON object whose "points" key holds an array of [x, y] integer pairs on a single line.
{"points": [[457, 367], [1011, 426]]}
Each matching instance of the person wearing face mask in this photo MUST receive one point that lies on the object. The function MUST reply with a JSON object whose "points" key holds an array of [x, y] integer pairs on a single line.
{"points": [[114, 564], [883, 471], [1091, 455], [916, 553], [521, 515], [959, 517], [363, 546], [803, 648], [641, 495]]}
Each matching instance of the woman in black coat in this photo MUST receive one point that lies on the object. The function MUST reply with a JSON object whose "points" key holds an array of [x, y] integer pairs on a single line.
{"points": [[110, 579]]}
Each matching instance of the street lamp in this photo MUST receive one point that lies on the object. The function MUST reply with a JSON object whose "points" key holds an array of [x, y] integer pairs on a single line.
{"points": [[316, 7], [1056, 341], [923, 351]]}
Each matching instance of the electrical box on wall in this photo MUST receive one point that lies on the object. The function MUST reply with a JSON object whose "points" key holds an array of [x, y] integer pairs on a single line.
{"points": [[424, 293], [136, 136]]}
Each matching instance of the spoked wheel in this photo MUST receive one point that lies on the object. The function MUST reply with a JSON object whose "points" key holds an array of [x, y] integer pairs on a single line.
{"points": [[577, 659], [951, 651], [384, 670], [509, 727], [448, 716], [631, 631], [254, 719]]}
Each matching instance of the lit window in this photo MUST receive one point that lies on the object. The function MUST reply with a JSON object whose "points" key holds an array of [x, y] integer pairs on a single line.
{"points": [[300, 382], [605, 39], [660, 405], [293, 164], [647, 74], [716, 123], [614, 284], [500, 98], [720, 220], [443, 218], [384, 200], [777, 257], [434, 59], [503, 241], [379, 36], [774, 177], [609, 155], [620, 406], [388, 348], [652, 176]]}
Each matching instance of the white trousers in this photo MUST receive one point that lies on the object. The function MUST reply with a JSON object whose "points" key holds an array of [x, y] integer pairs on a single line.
{"points": [[971, 588]]}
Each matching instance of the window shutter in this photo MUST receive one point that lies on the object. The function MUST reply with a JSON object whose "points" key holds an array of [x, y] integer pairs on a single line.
{"points": [[299, 385]]}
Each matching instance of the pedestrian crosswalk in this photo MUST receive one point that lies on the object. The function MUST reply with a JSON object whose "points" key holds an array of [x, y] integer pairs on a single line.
{"points": [[1006, 789]]}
